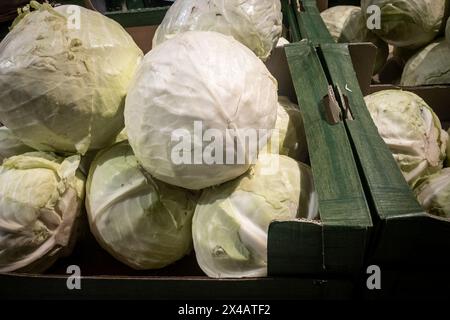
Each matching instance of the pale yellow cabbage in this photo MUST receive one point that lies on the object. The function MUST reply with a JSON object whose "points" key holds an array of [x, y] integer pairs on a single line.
{"points": [[429, 66], [347, 24], [408, 23], [10, 145], [434, 193], [64, 85], [231, 221], [411, 130], [255, 23], [141, 221], [289, 137], [40, 200]]}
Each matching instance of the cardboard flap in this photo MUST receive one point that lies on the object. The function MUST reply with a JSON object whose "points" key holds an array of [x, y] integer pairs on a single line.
{"points": [[363, 56]]}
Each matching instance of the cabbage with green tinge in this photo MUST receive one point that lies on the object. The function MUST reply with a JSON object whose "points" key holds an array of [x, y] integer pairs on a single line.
{"points": [[231, 221], [448, 149], [434, 193], [10, 145], [40, 200], [430, 66], [63, 84], [447, 31], [141, 221], [411, 130], [348, 25], [255, 23], [289, 137], [205, 80], [408, 23]]}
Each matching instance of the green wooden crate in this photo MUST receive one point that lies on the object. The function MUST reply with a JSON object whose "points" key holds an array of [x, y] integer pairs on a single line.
{"points": [[310, 23], [337, 244], [404, 233]]}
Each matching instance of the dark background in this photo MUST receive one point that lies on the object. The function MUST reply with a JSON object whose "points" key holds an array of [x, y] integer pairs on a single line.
{"points": [[344, 2]]}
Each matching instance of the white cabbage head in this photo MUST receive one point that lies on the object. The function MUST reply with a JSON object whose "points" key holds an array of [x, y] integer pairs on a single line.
{"points": [[63, 85], [10, 145], [434, 193], [408, 23], [40, 200], [289, 137], [141, 221], [347, 24], [189, 98], [429, 66], [412, 131], [231, 221], [255, 23]]}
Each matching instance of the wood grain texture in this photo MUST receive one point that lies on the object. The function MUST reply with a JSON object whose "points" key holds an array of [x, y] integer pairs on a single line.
{"points": [[390, 194], [310, 23], [337, 244], [290, 20], [341, 196]]}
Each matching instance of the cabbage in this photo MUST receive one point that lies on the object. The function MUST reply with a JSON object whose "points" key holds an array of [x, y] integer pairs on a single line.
{"points": [[447, 30], [63, 88], [255, 23], [289, 132], [195, 84], [348, 25], [142, 222], [408, 23], [122, 136], [10, 145], [40, 200], [430, 65], [412, 131], [282, 42], [448, 149], [434, 193], [231, 221]]}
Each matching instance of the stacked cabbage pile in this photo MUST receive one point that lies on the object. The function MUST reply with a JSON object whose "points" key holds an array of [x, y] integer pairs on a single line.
{"points": [[414, 30], [414, 134], [151, 136]]}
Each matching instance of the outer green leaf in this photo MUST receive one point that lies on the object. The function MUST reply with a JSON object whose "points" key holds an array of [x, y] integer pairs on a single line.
{"points": [[142, 222], [231, 221]]}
